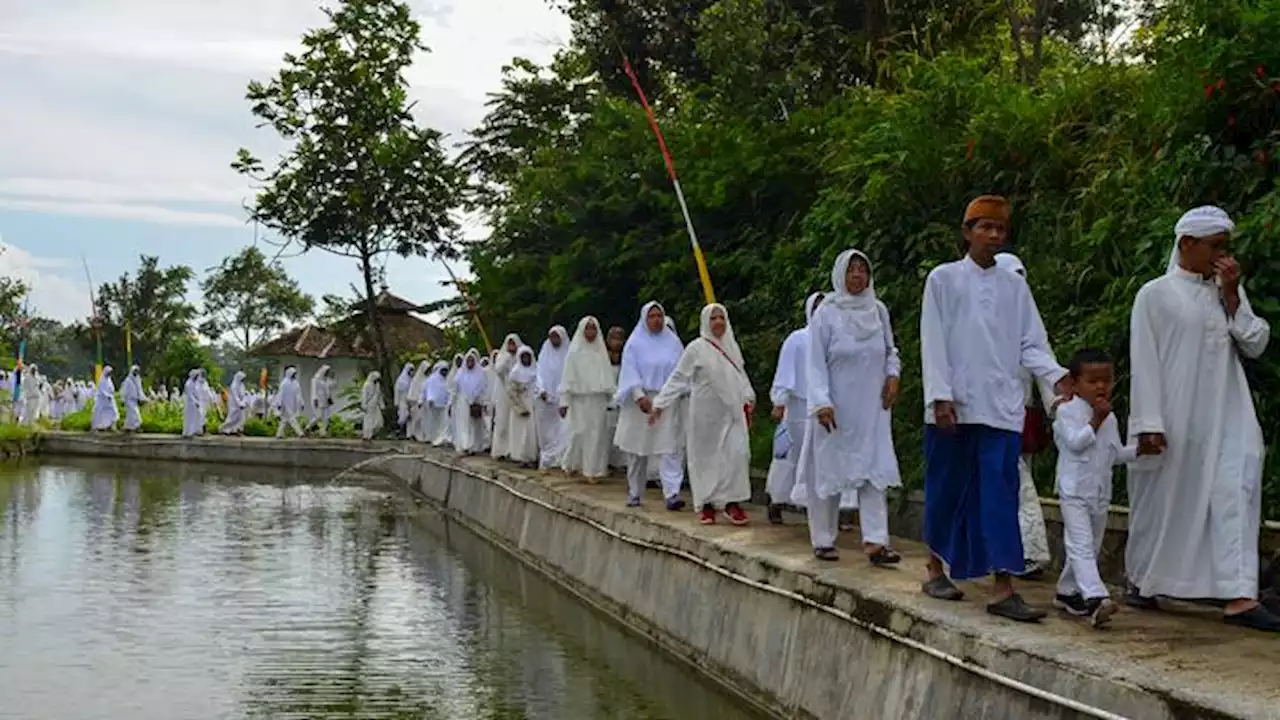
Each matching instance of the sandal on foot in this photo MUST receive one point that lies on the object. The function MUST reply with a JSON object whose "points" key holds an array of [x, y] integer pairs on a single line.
{"points": [[1256, 618], [941, 588], [1015, 608], [884, 557], [829, 554]]}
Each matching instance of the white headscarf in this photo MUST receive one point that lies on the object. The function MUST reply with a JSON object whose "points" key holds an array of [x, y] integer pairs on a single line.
{"points": [[728, 376], [436, 389], [861, 311], [419, 379], [551, 360], [471, 381], [1202, 222], [106, 387], [520, 372], [648, 358], [587, 369], [811, 306], [371, 390], [451, 382], [405, 378], [1009, 262], [506, 360]]}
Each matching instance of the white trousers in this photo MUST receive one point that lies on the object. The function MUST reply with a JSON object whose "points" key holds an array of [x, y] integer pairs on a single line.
{"points": [[670, 470], [289, 420], [1035, 539], [1084, 524], [873, 514]]}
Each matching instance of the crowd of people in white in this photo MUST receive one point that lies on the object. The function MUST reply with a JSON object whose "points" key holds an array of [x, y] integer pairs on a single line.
{"points": [[649, 403]]}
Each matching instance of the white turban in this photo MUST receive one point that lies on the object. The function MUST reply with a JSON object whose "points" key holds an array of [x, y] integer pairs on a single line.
{"points": [[1204, 221], [1011, 262]]}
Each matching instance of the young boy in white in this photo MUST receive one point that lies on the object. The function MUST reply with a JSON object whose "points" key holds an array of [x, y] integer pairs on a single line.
{"points": [[1089, 446]]}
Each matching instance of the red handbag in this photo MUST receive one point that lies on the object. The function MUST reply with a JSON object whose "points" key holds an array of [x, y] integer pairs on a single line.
{"points": [[1035, 431]]}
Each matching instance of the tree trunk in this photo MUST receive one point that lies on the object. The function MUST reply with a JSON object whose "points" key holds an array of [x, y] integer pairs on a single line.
{"points": [[374, 318]]}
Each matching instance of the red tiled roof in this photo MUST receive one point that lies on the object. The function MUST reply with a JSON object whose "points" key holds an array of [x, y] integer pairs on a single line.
{"points": [[404, 333]]}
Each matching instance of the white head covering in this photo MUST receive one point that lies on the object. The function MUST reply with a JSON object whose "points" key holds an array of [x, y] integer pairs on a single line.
{"points": [[419, 378], [437, 388], [648, 358], [451, 382], [471, 381], [506, 360], [371, 389], [862, 311], [728, 376], [1010, 262], [587, 369], [106, 387], [1204, 221], [551, 360], [811, 306], [405, 378], [520, 372]]}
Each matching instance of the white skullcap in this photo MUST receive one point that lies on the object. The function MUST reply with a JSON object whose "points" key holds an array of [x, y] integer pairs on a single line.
{"points": [[1010, 262], [1204, 221]]}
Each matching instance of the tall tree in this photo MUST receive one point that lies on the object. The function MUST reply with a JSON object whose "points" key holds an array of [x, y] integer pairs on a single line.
{"points": [[246, 298], [152, 303], [360, 179]]}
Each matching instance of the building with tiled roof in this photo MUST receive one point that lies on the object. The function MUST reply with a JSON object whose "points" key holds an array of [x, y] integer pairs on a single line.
{"points": [[346, 346]]}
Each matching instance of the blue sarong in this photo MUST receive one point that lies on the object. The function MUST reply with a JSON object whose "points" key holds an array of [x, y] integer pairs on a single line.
{"points": [[971, 500]]}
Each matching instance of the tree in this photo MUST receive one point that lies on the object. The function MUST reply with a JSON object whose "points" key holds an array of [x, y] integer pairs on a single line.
{"points": [[178, 359], [153, 303], [361, 179], [247, 298]]}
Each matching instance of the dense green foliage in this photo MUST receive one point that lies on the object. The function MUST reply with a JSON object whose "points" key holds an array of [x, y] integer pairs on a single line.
{"points": [[788, 156]]}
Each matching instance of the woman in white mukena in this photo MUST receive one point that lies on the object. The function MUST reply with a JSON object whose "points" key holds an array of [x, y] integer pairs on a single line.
{"points": [[851, 386], [586, 391]]}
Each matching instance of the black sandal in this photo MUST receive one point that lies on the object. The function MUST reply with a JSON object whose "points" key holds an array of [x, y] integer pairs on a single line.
{"points": [[884, 557], [941, 588], [829, 554], [1256, 618]]}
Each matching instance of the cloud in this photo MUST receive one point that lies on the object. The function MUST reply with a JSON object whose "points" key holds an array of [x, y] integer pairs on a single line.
{"points": [[54, 292], [123, 211]]}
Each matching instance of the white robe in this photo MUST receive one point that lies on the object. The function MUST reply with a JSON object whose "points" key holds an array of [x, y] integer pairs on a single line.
{"points": [[1195, 511], [848, 373], [238, 403], [132, 394], [192, 415], [617, 456], [522, 426], [498, 398], [551, 427], [435, 404], [469, 432], [647, 363], [371, 406], [105, 412], [402, 393], [718, 448]]}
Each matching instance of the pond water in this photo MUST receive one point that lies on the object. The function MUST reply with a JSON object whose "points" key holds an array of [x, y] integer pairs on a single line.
{"points": [[186, 592]]}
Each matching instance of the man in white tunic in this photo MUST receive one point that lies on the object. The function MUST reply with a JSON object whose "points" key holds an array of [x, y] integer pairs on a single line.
{"points": [[979, 326], [549, 423], [1196, 509]]}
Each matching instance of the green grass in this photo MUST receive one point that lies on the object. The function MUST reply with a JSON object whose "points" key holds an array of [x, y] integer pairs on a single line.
{"points": [[165, 419]]}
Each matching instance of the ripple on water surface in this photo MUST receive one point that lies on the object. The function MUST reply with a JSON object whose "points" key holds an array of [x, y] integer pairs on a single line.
{"points": [[179, 592]]}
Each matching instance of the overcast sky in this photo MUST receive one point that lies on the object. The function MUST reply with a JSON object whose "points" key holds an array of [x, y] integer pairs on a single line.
{"points": [[120, 119]]}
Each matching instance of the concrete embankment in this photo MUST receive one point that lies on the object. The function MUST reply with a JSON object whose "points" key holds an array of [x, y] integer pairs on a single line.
{"points": [[751, 608]]}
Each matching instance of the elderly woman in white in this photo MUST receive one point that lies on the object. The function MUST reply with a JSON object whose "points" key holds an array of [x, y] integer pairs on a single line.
{"points": [[586, 390], [711, 373], [851, 385], [105, 412], [522, 425], [371, 406], [132, 393], [648, 359]]}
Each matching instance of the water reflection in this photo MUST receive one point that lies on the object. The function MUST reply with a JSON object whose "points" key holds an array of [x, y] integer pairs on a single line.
{"points": [[176, 591]]}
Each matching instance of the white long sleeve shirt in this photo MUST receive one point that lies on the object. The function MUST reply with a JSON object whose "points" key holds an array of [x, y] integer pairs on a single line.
{"points": [[1086, 456], [978, 328]]}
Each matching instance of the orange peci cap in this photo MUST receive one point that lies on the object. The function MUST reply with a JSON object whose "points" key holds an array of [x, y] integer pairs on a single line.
{"points": [[987, 207]]}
